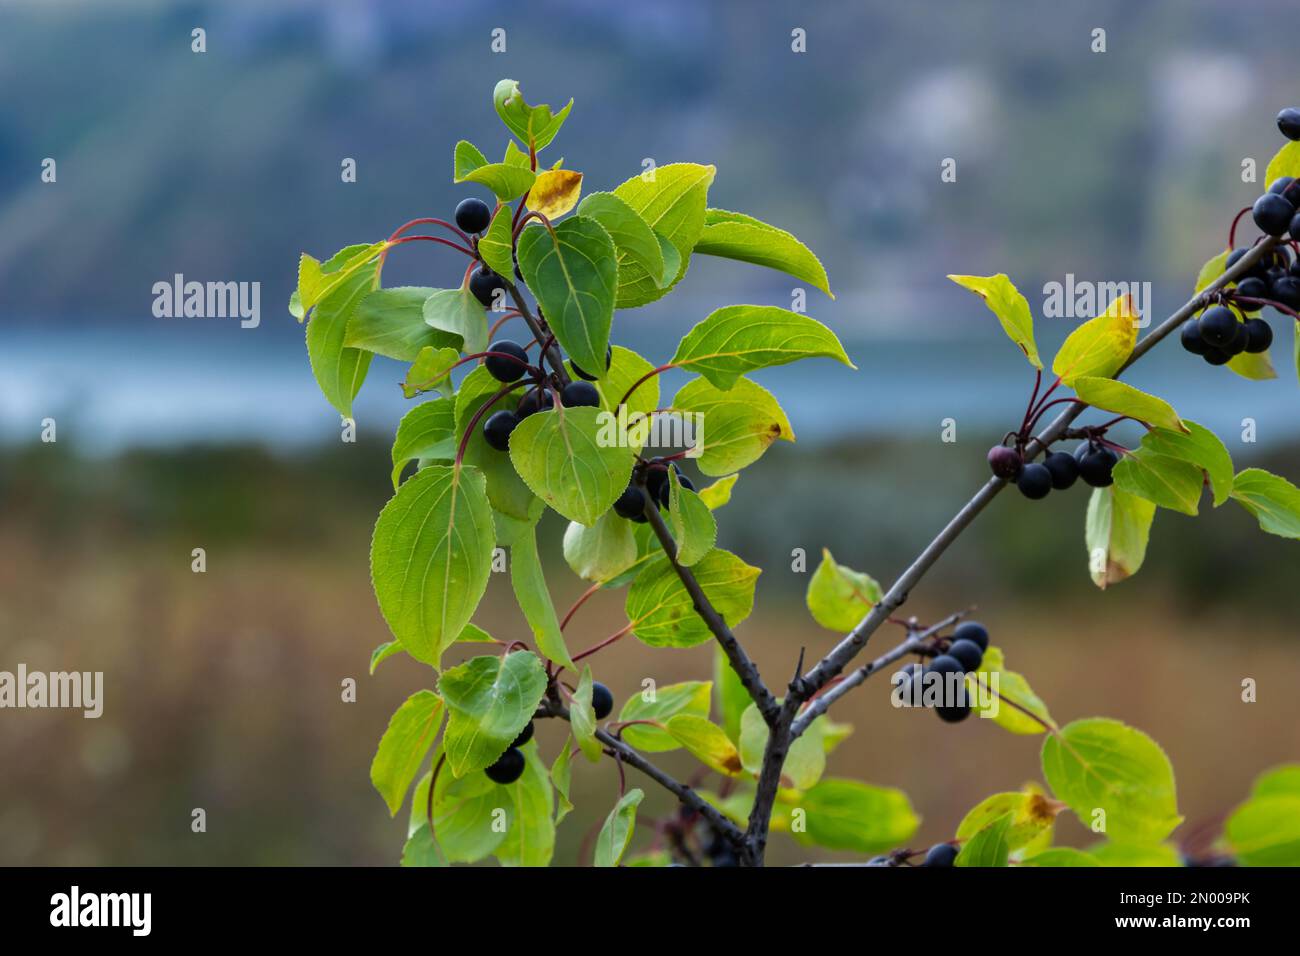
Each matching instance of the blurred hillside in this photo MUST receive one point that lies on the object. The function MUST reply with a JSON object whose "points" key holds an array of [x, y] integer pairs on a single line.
{"points": [[226, 164]]}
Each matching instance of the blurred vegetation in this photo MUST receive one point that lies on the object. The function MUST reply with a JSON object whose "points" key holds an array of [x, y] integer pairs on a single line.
{"points": [[223, 688]]}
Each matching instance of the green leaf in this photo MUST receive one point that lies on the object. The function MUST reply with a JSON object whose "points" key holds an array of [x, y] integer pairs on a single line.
{"points": [[1061, 856], [988, 847], [530, 839], [1117, 530], [1265, 831], [1032, 815], [402, 749], [1168, 482], [839, 597], [739, 423], [1124, 399], [690, 697], [534, 599], [430, 370], [562, 779], [719, 493], [421, 850], [690, 521], [1285, 162], [671, 199], [574, 274], [1212, 269], [582, 717], [390, 322], [600, 552], [1202, 448], [431, 557], [734, 235], [560, 456], [496, 246], [1273, 500], [805, 761], [383, 652], [1283, 781], [707, 742], [1255, 366], [1100, 347], [1128, 854], [489, 699], [458, 312], [507, 180], [1012, 688], [505, 489], [848, 815], [739, 338], [1100, 764], [639, 253], [733, 699], [1005, 301], [463, 811], [339, 370], [616, 834], [426, 431], [662, 612], [466, 158], [535, 126], [317, 280]]}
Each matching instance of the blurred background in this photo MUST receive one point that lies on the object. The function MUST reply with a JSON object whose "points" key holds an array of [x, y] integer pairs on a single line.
{"points": [[223, 688]]}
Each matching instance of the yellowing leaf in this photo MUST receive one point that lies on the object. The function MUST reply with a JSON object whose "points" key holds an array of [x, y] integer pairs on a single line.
{"points": [[1255, 366], [1005, 301], [1100, 346], [707, 742], [1117, 530], [839, 597], [555, 192]]}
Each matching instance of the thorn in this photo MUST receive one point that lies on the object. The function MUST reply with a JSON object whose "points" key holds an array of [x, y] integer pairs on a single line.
{"points": [[798, 668]]}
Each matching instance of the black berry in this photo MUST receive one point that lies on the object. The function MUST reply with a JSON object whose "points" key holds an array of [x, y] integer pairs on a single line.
{"points": [[656, 479], [1239, 341], [577, 394], [1005, 462], [602, 701], [505, 369], [525, 735], [1286, 289], [484, 283], [1272, 214], [537, 400], [1216, 356], [1279, 185], [1035, 481], [497, 429], [1064, 469], [1218, 326], [1288, 121], [609, 357], [954, 714], [1259, 335], [631, 504], [1096, 464], [972, 631], [941, 854], [1191, 338], [1253, 287], [508, 768], [473, 215], [968, 653]]}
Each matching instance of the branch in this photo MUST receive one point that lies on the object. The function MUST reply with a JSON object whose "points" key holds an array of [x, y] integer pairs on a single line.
{"points": [[821, 704], [540, 332], [852, 644], [740, 661], [803, 688], [716, 819]]}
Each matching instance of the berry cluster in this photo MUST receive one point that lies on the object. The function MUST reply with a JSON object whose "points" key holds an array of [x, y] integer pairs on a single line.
{"points": [[963, 654], [507, 362], [510, 765], [631, 503], [1092, 461]]}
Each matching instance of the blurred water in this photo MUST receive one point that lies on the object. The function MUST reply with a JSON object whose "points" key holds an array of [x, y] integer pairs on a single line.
{"points": [[173, 383]]}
